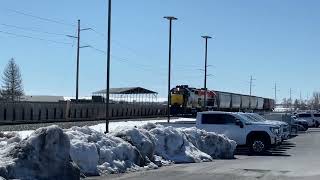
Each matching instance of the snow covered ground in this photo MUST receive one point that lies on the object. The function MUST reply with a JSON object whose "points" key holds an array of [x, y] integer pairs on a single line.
{"points": [[114, 125], [130, 146]]}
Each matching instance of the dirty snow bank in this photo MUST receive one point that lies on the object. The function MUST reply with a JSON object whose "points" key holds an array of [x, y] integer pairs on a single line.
{"points": [[147, 147], [217, 146], [167, 142], [55, 153], [44, 155], [96, 153]]}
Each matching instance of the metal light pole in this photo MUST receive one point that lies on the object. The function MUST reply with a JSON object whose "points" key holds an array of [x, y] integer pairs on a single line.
{"points": [[170, 18], [108, 67], [205, 71]]}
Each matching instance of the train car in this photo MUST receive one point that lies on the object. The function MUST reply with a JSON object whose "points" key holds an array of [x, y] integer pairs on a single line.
{"points": [[245, 102], [224, 100], [236, 102], [186, 100], [260, 103], [253, 102], [268, 104]]}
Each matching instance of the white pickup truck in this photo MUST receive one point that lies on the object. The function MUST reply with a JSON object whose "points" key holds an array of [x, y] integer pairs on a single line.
{"points": [[258, 136], [284, 127], [310, 118]]}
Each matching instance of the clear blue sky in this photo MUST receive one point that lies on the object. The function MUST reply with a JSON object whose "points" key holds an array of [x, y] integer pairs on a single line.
{"points": [[275, 41]]}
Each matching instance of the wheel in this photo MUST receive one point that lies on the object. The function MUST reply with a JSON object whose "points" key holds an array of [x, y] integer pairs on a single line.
{"points": [[258, 145], [316, 124]]}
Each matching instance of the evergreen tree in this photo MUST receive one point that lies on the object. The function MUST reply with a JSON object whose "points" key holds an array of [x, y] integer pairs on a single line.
{"points": [[12, 88]]}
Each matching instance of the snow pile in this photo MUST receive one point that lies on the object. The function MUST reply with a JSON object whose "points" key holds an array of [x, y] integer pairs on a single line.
{"points": [[62, 154], [96, 153], [180, 145], [9, 138], [147, 147], [172, 144], [44, 155], [216, 145]]}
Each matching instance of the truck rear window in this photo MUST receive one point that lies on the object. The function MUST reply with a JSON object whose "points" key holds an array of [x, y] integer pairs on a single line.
{"points": [[316, 115], [304, 115], [218, 119]]}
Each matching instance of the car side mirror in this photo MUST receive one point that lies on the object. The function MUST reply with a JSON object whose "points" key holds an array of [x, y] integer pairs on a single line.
{"points": [[239, 123]]}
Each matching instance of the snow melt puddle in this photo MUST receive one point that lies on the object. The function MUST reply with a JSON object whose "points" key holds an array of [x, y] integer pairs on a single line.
{"points": [[149, 146]]}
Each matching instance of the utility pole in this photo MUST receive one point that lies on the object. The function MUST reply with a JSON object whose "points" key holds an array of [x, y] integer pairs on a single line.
{"points": [[251, 81], [108, 66], [170, 18], [78, 56], [205, 71], [275, 93], [290, 95]]}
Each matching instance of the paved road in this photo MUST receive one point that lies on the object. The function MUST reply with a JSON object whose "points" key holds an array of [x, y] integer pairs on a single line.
{"points": [[298, 158]]}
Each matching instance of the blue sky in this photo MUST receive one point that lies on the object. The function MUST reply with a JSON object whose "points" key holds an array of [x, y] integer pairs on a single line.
{"points": [[274, 41]]}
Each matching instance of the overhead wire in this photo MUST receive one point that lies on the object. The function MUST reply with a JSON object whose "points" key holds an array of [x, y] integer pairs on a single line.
{"points": [[35, 38], [41, 18], [31, 29]]}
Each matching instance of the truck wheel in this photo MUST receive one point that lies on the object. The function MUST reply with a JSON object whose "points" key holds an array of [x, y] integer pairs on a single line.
{"points": [[258, 145]]}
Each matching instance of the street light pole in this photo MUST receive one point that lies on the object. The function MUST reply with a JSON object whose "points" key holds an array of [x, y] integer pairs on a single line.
{"points": [[170, 18], [108, 67], [205, 71]]}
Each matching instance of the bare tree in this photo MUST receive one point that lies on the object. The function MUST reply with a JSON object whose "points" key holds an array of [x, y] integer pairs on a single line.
{"points": [[316, 100], [285, 102], [12, 82], [296, 104]]}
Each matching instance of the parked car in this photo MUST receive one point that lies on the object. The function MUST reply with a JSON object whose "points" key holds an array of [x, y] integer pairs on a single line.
{"points": [[258, 136], [301, 123], [309, 118], [284, 127], [316, 117]]}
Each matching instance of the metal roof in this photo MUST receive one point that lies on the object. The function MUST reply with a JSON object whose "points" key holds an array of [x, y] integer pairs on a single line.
{"points": [[127, 90], [40, 98]]}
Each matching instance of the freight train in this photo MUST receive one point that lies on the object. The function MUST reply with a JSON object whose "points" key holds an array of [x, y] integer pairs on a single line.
{"points": [[188, 100]]}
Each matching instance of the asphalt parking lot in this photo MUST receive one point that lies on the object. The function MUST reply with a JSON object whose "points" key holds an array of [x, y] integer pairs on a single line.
{"points": [[297, 158]]}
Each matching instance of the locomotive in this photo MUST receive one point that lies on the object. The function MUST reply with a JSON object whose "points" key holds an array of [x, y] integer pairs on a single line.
{"points": [[189, 100]]}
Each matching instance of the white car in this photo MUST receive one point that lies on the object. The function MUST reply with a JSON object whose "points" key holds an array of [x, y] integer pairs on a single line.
{"points": [[284, 127], [309, 118], [258, 136], [316, 117]]}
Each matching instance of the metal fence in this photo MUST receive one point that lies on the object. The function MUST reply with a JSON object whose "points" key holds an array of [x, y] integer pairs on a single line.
{"points": [[33, 112]]}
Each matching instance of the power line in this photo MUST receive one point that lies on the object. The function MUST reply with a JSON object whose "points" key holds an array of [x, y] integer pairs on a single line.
{"points": [[41, 18], [32, 30], [35, 38]]}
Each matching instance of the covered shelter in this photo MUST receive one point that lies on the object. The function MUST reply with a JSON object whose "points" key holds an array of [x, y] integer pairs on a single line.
{"points": [[129, 95]]}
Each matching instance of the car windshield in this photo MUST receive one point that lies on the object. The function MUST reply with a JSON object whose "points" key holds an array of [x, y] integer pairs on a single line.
{"points": [[246, 118], [257, 116]]}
